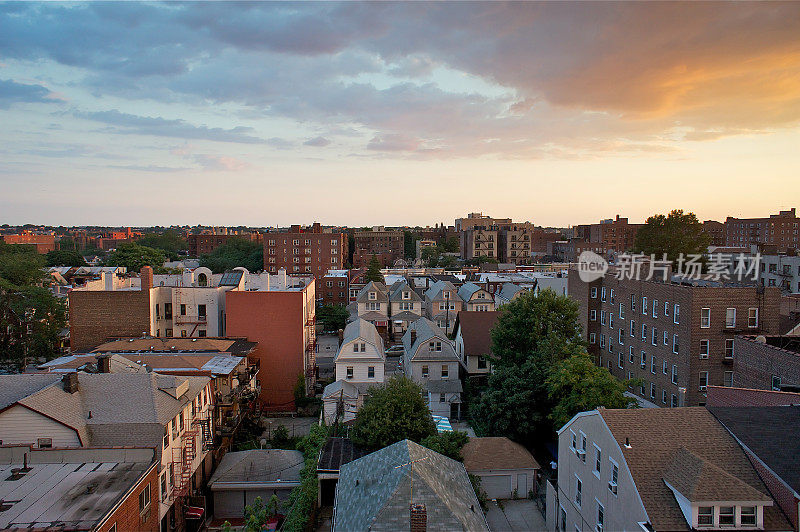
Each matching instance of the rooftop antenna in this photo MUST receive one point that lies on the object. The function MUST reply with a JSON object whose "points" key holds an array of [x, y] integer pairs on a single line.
{"points": [[411, 468]]}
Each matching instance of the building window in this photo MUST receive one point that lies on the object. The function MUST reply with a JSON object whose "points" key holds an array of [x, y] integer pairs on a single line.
{"points": [[652, 390], [593, 315], [644, 331], [674, 374], [603, 294], [183, 310], [441, 398], [730, 318], [664, 367], [674, 401], [643, 360], [44, 443], [664, 396], [752, 317], [727, 516], [676, 314], [166, 440], [621, 311], [164, 487], [727, 379], [592, 338], [621, 360], [424, 372], [445, 371], [633, 328], [612, 485], [703, 380], [653, 364], [610, 320], [654, 336], [747, 515], [705, 516], [675, 344], [704, 348], [594, 292], [371, 372], [776, 383], [600, 517], [578, 490], [349, 372], [598, 459], [631, 355], [655, 308], [705, 318], [144, 499], [201, 333], [633, 302], [621, 337], [482, 360], [602, 317], [666, 308]]}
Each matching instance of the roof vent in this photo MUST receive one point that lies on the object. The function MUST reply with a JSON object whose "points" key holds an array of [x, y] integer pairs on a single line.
{"points": [[194, 339], [627, 443]]}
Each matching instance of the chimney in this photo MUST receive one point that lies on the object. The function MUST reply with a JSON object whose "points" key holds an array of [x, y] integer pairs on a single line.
{"points": [[70, 381], [104, 364], [146, 278], [419, 518]]}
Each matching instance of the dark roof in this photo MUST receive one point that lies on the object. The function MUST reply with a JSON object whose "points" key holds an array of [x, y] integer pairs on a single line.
{"points": [[657, 434], [475, 329], [496, 452], [772, 433], [337, 452], [727, 396], [148, 344], [258, 466]]}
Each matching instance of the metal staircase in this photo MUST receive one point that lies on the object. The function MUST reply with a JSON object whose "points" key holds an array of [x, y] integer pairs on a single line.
{"points": [[182, 460]]}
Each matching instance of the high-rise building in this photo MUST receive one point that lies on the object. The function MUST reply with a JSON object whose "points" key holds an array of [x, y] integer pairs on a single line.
{"points": [[305, 251], [386, 246], [780, 230]]}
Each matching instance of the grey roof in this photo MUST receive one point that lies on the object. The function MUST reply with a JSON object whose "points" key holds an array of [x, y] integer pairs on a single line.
{"points": [[467, 290], [435, 291], [406, 315], [364, 330], [258, 466], [396, 293], [509, 290], [426, 330], [121, 405], [382, 294], [374, 316], [443, 386], [374, 492], [351, 389], [16, 387]]}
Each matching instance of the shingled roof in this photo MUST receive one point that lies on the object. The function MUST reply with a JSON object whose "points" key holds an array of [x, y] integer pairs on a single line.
{"points": [[498, 453], [374, 492], [475, 330], [656, 435]]}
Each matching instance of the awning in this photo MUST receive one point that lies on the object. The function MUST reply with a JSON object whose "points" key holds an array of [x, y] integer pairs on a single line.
{"points": [[442, 424]]}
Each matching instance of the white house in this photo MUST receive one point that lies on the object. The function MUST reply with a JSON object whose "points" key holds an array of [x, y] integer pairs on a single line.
{"points": [[475, 298]]}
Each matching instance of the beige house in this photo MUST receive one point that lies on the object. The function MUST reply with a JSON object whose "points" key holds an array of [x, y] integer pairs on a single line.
{"points": [[656, 469], [475, 298], [373, 304], [405, 308], [442, 304]]}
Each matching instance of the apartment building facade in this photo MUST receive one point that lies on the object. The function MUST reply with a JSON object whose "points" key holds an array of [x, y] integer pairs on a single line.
{"points": [[203, 244], [42, 243], [780, 230], [782, 271], [676, 338], [305, 250], [386, 246], [334, 288], [765, 362], [480, 241]]}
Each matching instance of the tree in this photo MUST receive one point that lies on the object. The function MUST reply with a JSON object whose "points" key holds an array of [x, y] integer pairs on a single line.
{"points": [[374, 271], [447, 443], [134, 257], [451, 245], [64, 258], [31, 319], [393, 413], [169, 242], [234, 253], [673, 234], [410, 245], [332, 317], [577, 385], [20, 264]]}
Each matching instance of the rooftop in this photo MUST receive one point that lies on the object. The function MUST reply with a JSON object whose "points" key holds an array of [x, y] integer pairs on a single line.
{"points": [[481, 454], [257, 466], [337, 452], [476, 328]]}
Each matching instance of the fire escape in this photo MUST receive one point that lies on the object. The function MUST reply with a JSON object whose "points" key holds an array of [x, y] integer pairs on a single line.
{"points": [[182, 461]]}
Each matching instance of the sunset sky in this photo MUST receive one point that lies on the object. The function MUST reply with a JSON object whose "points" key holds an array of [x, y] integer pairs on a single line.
{"points": [[396, 113]]}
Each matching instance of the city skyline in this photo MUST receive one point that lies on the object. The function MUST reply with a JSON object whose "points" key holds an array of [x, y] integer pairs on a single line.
{"points": [[272, 114]]}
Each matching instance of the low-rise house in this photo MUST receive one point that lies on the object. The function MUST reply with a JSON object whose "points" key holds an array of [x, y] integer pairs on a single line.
{"points": [[405, 486], [373, 305], [474, 340], [443, 304], [508, 293], [429, 359], [360, 363], [169, 413], [405, 308], [507, 469], [242, 476], [92, 489], [336, 452], [656, 469], [475, 298]]}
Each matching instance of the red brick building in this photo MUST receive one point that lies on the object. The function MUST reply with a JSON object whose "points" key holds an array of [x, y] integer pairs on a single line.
{"points": [[305, 251], [42, 243], [333, 288], [282, 322], [96, 315], [387, 246], [677, 338], [205, 244], [716, 230], [614, 235], [781, 230]]}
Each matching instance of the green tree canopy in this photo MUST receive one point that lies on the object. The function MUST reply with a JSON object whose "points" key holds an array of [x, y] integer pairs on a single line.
{"points": [[169, 242], [393, 413], [20, 264], [577, 385], [40, 317], [65, 258], [332, 317], [374, 271], [236, 252], [447, 443], [673, 234], [134, 256], [410, 245]]}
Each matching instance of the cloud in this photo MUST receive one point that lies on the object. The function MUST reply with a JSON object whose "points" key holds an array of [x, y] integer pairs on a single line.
{"points": [[143, 125], [220, 162], [393, 142], [319, 142], [150, 168], [12, 92]]}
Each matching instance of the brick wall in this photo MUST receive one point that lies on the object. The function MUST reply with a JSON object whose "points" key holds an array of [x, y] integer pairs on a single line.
{"points": [[784, 496], [127, 516], [96, 315], [755, 363]]}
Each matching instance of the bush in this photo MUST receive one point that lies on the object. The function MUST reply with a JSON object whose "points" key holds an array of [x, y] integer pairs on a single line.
{"points": [[447, 443], [304, 497], [483, 500]]}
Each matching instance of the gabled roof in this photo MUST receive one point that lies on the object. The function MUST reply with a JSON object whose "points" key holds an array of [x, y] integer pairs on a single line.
{"points": [[16, 387], [509, 290], [258, 466], [374, 492], [656, 434], [397, 290], [442, 386], [496, 452], [476, 328], [701, 481], [381, 293], [363, 330], [426, 330], [771, 433], [434, 293], [468, 290]]}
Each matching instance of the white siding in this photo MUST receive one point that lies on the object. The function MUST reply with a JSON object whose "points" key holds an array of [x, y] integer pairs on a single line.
{"points": [[22, 425]]}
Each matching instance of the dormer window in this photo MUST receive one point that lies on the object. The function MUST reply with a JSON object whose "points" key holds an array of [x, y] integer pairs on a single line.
{"points": [[406, 295], [373, 296]]}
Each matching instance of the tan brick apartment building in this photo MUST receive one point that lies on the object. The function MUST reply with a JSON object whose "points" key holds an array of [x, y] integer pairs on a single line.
{"points": [[387, 246], [677, 338], [781, 230], [305, 251], [613, 235]]}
